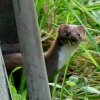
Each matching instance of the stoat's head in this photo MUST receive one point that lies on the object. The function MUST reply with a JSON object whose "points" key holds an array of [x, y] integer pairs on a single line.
{"points": [[71, 33]]}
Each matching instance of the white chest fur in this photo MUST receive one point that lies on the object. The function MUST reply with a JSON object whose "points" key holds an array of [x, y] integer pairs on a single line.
{"points": [[65, 52]]}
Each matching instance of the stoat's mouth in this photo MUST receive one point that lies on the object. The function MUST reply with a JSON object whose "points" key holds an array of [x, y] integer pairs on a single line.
{"points": [[71, 40]]}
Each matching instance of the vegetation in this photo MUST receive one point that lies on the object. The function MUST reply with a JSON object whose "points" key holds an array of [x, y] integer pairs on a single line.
{"points": [[81, 78]]}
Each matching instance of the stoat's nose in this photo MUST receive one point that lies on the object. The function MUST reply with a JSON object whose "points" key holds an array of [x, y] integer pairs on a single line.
{"points": [[70, 37], [68, 34], [73, 39]]}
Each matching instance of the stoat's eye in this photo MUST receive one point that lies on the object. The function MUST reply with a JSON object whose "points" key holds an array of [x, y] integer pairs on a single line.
{"points": [[67, 33], [78, 34]]}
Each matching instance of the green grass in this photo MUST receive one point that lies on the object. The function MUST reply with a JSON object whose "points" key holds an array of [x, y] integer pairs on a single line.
{"points": [[21, 92], [81, 78]]}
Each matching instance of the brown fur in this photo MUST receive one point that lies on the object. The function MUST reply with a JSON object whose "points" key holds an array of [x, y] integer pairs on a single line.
{"points": [[66, 33]]}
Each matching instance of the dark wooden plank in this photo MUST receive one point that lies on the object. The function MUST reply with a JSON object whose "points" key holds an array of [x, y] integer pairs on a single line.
{"points": [[29, 37]]}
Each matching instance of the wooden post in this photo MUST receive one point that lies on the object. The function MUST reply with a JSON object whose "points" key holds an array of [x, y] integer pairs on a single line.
{"points": [[4, 95], [31, 47]]}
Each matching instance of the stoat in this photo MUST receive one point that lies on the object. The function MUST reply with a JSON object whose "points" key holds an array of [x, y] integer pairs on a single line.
{"points": [[67, 40]]}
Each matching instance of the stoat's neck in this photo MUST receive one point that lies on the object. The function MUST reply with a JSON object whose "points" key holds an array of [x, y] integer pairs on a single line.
{"points": [[58, 55], [65, 52], [53, 50], [51, 58]]}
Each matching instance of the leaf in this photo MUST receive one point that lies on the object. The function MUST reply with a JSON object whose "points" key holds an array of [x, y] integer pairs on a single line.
{"points": [[73, 79], [92, 59], [24, 94], [57, 85], [91, 90], [70, 83], [14, 93], [13, 90]]}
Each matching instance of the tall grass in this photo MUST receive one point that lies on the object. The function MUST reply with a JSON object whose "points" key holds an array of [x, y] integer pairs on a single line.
{"points": [[83, 12]]}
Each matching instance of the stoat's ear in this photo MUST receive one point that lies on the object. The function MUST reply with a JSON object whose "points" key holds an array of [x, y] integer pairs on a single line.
{"points": [[62, 30], [82, 29]]}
